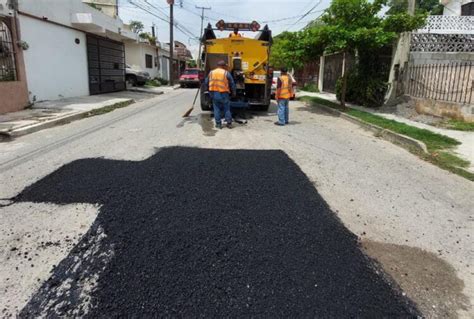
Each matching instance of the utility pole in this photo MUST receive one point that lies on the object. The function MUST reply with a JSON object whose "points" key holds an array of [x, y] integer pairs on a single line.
{"points": [[171, 3], [202, 25]]}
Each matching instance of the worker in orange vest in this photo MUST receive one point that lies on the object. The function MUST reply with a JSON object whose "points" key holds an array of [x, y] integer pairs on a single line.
{"points": [[220, 85], [235, 34], [283, 95]]}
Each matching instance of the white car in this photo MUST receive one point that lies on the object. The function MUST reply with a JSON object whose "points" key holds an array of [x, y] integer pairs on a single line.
{"points": [[276, 75], [135, 76]]}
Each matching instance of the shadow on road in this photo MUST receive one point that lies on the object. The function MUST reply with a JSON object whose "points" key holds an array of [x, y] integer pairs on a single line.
{"points": [[210, 233]]}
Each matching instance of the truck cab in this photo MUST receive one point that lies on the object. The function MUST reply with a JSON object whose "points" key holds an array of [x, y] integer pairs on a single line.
{"points": [[247, 60]]}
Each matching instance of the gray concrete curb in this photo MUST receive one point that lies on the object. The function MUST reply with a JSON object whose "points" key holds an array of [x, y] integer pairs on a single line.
{"points": [[140, 90], [60, 120], [399, 139]]}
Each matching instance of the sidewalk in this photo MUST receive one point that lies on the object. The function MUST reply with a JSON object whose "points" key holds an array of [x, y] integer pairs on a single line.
{"points": [[50, 113], [465, 150]]}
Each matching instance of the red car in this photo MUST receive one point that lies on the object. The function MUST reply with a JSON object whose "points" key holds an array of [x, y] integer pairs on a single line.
{"points": [[191, 77]]}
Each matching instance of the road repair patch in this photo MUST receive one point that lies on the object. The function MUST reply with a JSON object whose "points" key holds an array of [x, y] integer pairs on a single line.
{"points": [[211, 233]]}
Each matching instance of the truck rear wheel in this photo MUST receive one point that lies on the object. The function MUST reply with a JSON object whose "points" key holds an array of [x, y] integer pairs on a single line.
{"points": [[205, 107], [205, 100], [262, 107]]}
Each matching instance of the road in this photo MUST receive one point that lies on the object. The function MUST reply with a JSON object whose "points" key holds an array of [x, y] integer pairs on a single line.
{"points": [[140, 211]]}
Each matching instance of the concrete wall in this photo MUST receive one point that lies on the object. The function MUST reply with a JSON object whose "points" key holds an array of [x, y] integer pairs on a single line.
{"points": [[135, 57], [56, 66], [79, 15], [109, 7], [14, 94], [463, 112], [419, 58]]}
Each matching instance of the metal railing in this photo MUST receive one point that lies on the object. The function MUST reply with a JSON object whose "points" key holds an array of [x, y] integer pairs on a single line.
{"points": [[7, 54], [452, 82], [429, 42], [448, 24]]}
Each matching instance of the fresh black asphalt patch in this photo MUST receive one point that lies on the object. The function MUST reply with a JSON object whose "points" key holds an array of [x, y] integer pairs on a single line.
{"points": [[207, 233]]}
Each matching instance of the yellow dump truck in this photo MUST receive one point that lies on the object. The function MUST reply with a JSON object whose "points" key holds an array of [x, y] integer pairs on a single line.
{"points": [[248, 61]]}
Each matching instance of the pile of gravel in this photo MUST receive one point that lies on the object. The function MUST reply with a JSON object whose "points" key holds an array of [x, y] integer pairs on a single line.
{"points": [[207, 233]]}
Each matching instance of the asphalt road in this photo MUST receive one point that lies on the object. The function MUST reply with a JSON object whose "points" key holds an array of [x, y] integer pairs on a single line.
{"points": [[108, 220]]}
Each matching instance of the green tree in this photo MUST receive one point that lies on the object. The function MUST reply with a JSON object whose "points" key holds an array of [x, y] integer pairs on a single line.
{"points": [[192, 63], [352, 25], [432, 7], [136, 26], [147, 36], [293, 49]]}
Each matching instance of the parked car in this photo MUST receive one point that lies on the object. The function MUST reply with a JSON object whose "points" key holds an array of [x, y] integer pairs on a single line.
{"points": [[135, 76], [276, 75], [191, 77]]}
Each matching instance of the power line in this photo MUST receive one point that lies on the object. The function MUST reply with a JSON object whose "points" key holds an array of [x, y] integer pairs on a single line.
{"points": [[291, 18], [181, 28], [202, 25], [307, 13]]}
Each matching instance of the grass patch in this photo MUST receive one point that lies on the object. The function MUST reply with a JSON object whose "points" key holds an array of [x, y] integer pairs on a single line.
{"points": [[452, 159], [433, 141], [109, 108], [310, 87], [317, 100], [438, 145], [154, 83], [458, 125]]}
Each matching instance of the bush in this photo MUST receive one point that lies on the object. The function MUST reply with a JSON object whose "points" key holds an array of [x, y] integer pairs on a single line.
{"points": [[362, 90], [153, 82], [162, 81], [310, 87], [367, 79]]}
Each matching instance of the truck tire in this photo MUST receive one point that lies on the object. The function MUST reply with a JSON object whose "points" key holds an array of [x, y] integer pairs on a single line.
{"points": [[205, 100], [205, 107], [262, 107]]}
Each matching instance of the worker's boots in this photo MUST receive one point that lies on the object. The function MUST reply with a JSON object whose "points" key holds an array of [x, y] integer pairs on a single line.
{"points": [[229, 125], [219, 126]]}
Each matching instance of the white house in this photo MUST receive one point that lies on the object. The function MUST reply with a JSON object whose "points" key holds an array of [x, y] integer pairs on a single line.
{"points": [[73, 49], [164, 59], [109, 7], [458, 7], [143, 56]]}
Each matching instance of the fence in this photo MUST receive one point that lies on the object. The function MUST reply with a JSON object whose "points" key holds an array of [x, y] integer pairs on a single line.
{"points": [[452, 82], [428, 42], [7, 54]]}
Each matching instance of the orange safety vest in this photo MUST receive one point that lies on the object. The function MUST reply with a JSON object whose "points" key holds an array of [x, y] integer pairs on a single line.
{"points": [[284, 92], [218, 81]]}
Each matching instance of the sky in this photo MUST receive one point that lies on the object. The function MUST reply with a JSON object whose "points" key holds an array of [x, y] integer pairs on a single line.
{"points": [[280, 15]]}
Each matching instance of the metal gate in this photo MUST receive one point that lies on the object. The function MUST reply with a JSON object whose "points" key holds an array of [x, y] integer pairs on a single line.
{"points": [[332, 71], [106, 60]]}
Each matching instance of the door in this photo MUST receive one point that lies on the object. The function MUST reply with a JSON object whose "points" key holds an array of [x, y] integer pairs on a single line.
{"points": [[106, 60], [332, 71]]}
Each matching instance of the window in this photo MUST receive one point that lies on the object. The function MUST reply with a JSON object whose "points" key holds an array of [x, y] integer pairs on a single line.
{"points": [[148, 61], [467, 9], [7, 54]]}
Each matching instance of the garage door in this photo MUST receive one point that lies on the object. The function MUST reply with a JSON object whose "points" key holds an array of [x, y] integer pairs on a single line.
{"points": [[106, 65]]}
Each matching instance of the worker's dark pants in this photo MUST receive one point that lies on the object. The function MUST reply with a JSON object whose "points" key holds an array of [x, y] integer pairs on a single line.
{"points": [[283, 111], [221, 104]]}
